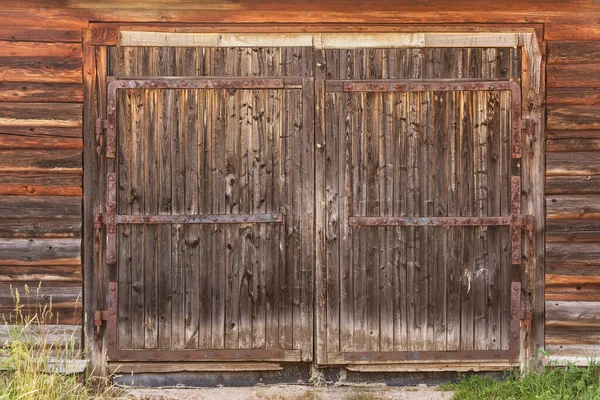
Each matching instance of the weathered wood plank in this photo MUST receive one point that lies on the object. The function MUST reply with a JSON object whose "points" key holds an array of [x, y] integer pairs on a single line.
{"points": [[44, 273], [573, 117], [573, 75], [574, 145], [65, 296], [580, 163], [40, 184], [40, 49], [567, 134], [66, 115], [573, 207], [30, 69], [47, 207], [572, 252], [41, 228], [41, 160], [39, 34], [40, 92], [577, 96], [576, 311], [569, 52], [589, 184]]}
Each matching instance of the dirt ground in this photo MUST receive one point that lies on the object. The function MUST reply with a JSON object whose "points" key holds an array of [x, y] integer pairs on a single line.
{"points": [[290, 392]]}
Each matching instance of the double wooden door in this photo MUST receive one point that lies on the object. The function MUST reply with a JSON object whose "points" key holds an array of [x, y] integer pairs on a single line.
{"points": [[243, 184]]}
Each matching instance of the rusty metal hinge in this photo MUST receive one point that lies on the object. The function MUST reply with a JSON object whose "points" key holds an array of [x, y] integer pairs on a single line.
{"points": [[97, 230], [526, 316], [101, 126], [99, 316]]}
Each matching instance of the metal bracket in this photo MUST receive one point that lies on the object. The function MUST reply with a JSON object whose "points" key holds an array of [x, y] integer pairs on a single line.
{"points": [[524, 125], [99, 317], [101, 126], [110, 218], [526, 316], [97, 229]]}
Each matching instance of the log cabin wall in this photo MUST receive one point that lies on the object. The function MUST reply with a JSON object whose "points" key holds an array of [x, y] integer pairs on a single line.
{"points": [[41, 140]]}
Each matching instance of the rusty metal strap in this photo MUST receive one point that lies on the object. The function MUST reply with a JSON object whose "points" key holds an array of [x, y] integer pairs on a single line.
{"points": [[428, 221], [201, 219], [437, 221], [110, 218]]}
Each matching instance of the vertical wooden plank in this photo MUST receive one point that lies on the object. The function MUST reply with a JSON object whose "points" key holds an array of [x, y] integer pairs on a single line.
{"points": [[453, 245], [217, 106], [371, 123], [494, 267], [246, 189], [274, 133], [506, 275], [401, 165], [178, 250], [332, 223], [427, 202], [261, 170], [415, 315], [137, 170], [359, 199], [126, 105], [164, 107], [346, 250], [307, 215], [439, 266], [387, 240], [205, 116], [467, 235], [232, 206], [94, 272], [480, 246]]}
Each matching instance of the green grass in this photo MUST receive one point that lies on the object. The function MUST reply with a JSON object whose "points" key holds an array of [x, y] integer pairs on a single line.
{"points": [[30, 345], [553, 382]]}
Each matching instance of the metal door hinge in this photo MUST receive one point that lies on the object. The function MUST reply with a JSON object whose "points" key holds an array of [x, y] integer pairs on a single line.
{"points": [[525, 316], [99, 316], [101, 126], [97, 230]]}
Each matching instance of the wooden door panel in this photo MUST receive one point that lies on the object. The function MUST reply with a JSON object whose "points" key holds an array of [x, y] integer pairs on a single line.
{"points": [[416, 180], [213, 230]]}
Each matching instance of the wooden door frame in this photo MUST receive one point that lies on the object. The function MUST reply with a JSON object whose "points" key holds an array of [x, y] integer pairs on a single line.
{"points": [[99, 36]]}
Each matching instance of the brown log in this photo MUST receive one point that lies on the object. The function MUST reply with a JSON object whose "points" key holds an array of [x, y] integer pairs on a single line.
{"points": [[45, 273], [573, 207], [40, 251], [41, 160], [40, 49], [580, 269], [573, 252], [58, 70], [564, 134], [36, 184], [558, 145], [40, 228], [573, 117], [41, 131], [29, 142], [68, 115], [589, 184], [577, 96], [41, 92], [573, 75], [572, 335], [577, 311], [572, 164], [570, 52], [573, 237], [39, 34], [45, 207]]}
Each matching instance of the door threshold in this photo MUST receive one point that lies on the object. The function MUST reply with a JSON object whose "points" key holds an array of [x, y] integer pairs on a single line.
{"points": [[432, 367]]}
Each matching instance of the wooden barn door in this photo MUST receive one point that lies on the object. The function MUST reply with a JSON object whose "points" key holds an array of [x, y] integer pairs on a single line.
{"points": [[209, 204], [420, 230]]}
